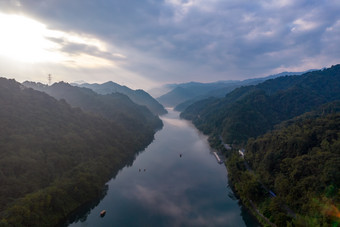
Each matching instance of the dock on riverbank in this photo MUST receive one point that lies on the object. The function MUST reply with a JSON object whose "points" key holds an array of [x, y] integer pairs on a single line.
{"points": [[217, 158]]}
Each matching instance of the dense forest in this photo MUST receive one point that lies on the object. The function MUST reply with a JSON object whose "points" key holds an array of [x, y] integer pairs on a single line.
{"points": [[253, 110], [300, 163], [137, 96], [116, 106], [183, 95], [290, 129], [54, 158]]}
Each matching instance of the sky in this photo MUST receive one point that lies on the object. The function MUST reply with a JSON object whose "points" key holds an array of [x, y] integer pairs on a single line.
{"points": [[146, 43]]}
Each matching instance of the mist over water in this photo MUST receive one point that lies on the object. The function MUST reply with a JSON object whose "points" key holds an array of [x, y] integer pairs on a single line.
{"points": [[176, 181]]}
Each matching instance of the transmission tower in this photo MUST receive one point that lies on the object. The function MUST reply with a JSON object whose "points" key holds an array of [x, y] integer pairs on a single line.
{"points": [[49, 79]]}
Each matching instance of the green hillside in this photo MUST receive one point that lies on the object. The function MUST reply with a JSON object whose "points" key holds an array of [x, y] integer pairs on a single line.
{"points": [[290, 128], [54, 158], [115, 106], [300, 163], [253, 110], [138, 96], [183, 95]]}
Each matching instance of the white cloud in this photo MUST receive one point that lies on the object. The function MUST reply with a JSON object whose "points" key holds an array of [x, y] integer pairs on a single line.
{"points": [[303, 25], [185, 40], [68, 56], [182, 8], [278, 4], [27, 40]]}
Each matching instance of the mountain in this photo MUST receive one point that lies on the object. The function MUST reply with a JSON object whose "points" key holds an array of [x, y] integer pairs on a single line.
{"points": [[185, 94], [299, 163], [115, 106], [188, 91], [253, 110], [176, 96], [218, 93], [288, 174], [161, 90], [138, 96], [55, 158]]}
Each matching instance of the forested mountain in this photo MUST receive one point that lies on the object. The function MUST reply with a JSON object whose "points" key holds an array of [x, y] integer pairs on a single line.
{"points": [[289, 176], [193, 91], [115, 106], [161, 90], [300, 163], [138, 96], [217, 93], [176, 96], [54, 158], [183, 95], [253, 110]]}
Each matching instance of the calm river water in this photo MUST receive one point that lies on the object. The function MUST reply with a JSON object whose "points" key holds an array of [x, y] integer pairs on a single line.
{"points": [[163, 189]]}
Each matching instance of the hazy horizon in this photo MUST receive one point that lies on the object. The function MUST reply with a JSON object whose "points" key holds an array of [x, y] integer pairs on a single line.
{"points": [[144, 44]]}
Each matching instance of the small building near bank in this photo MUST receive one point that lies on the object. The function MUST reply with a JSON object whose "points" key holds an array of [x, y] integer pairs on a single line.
{"points": [[241, 152], [227, 147]]}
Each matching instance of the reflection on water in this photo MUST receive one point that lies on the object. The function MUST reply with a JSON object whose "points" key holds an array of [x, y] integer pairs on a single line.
{"points": [[176, 181], [80, 215]]}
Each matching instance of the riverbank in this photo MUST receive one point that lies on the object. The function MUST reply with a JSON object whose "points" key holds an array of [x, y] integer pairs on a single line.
{"points": [[235, 166], [182, 185], [83, 184]]}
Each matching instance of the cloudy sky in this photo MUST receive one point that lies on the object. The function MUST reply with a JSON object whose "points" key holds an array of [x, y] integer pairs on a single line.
{"points": [[144, 43]]}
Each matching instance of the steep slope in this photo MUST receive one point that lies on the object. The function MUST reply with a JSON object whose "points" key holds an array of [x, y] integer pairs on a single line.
{"points": [[161, 90], [299, 162], [290, 175], [217, 93], [115, 106], [54, 158], [176, 96], [192, 91], [138, 96], [252, 110], [185, 94]]}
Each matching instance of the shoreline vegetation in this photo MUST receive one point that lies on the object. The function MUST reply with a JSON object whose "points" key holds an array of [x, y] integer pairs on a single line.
{"points": [[318, 203], [54, 158], [57, 153], [233, 159], [289, 129]]}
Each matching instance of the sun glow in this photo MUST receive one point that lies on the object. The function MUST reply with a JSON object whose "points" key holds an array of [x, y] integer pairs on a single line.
{"points": [[24, 40]]}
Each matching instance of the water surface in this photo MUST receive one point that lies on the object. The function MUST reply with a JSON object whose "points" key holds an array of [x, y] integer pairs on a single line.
{"points": [[176, 181]]}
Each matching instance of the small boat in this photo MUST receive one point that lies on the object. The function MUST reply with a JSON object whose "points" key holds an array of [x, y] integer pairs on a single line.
{"points": [[102, 213]]}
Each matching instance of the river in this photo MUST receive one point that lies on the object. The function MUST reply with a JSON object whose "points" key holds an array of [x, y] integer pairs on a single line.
{"points": [[175, 181]]}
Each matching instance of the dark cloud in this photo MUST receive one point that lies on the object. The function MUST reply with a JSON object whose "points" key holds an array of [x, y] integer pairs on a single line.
{"points": [[74, 48], [174, 40]]}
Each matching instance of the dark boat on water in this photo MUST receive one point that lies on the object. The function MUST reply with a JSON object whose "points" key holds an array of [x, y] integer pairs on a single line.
{"points": [[102, 213]]}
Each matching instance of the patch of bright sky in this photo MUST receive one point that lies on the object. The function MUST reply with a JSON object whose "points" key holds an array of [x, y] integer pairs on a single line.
{"points": [[23, 39], [27, 40]]}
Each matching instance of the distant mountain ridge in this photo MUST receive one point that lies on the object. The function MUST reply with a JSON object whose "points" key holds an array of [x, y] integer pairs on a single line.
{"points": [[252, 110], [182, 95], [115, 106], [138, 96]]}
